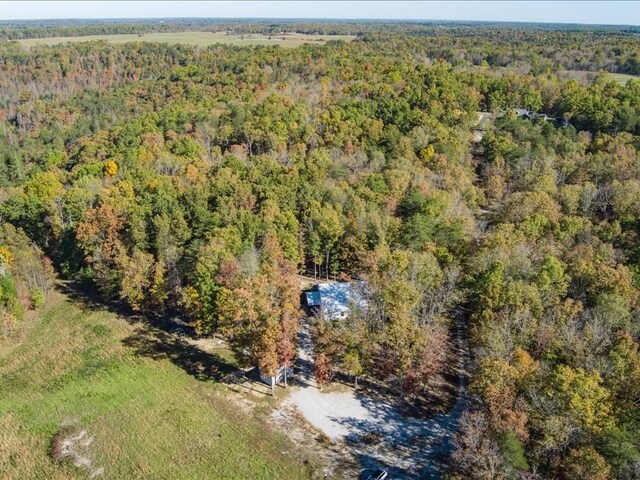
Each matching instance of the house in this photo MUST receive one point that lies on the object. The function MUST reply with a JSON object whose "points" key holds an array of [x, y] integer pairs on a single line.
{"points": [[335, 300], [527, 115], [522, 113], [485, 120]]}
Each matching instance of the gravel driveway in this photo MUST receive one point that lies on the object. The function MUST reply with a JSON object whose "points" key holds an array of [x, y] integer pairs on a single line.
{"points": [[407, 447]]}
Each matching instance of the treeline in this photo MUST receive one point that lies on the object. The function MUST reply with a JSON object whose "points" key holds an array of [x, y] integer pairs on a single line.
{"points": [[9, 31], [22, 29], [535, 48], [200, 186], [26, 277], [528, 50]]}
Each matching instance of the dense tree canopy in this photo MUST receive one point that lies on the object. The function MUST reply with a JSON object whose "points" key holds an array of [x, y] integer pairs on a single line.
{"points": [[199, 181]]}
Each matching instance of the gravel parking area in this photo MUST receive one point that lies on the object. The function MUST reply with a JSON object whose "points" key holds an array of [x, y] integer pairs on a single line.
{"points": [[373, 428]]}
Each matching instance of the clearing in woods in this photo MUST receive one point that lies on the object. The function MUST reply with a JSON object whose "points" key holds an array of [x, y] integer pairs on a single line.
{"points": [[127, 400], [200, 39], [583, 77], [587, 77]]}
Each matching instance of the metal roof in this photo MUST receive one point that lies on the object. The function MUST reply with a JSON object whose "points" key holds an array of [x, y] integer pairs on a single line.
{"points": [[313, 298], [337, 299]]}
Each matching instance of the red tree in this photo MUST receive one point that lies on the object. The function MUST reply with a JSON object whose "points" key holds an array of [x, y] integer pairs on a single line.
{"points": [[322, 370]]}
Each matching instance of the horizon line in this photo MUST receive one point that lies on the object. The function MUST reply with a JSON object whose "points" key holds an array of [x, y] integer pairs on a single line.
{"points": [[328, 19]]}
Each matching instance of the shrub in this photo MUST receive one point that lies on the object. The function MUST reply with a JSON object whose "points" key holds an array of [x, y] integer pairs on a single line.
{"points": [[36, 297], [586, 464], [513, 451]]}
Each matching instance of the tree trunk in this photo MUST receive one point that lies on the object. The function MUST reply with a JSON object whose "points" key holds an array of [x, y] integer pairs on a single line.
{"points": [[273, 386], [285, 377], [327, 266]]}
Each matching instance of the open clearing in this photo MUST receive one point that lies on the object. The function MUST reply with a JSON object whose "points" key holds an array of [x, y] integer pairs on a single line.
{"points": [[581, 76], [142, 400], [124, 399], [587, 77], [200, 39]]}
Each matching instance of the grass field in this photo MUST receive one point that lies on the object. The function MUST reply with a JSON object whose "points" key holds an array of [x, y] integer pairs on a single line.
{"points": [[201, 39], [586, 77], [132, 388], [580, 76]]}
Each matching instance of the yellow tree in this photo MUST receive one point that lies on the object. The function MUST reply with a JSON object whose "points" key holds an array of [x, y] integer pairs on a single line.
{"points": [[99, 237]]}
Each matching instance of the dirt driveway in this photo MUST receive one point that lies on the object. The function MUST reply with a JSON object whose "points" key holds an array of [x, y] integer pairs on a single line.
{"points": [[373, 428]]}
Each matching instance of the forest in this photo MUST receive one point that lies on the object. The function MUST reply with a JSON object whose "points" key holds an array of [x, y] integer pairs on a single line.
{"points": [[200, 181]]}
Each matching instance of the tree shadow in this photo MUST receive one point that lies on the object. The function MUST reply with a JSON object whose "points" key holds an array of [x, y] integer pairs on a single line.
{"points": [[158, 337], [88, 299], [303, 374], [421, 445], [370, 464], [158, 344], [409, 448]]}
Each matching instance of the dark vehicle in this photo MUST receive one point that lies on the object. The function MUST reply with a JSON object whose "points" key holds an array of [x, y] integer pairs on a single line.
{"points": [[378, 474]]}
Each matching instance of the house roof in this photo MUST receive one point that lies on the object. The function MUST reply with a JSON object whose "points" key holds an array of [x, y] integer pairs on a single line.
{"points": [[337, 299], [485, 119]]}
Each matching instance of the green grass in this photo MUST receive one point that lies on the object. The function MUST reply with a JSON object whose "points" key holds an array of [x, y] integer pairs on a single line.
{"points": [[201, 39], [623, 77], [581, 76], [150, 417], [586, 77]]}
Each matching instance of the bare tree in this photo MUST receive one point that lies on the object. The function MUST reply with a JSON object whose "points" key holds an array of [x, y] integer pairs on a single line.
{"points": [[476, 454]]}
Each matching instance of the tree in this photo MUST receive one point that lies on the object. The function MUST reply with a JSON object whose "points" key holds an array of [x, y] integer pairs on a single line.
{"points": [[110, 168], [325, 222], [625, 364], [476, 454], [585, 464], [513, 451], [265, 347], [258, 310], [353, 365], [286, 355], [322, 370], [99, 237], [280, 272], [158, 289], [136, 279], [581, 393], [214, 270]]}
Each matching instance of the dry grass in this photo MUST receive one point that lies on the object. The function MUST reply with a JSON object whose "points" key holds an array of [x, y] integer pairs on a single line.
{"points": [[200, 39], [72, 444], [148, 416]]}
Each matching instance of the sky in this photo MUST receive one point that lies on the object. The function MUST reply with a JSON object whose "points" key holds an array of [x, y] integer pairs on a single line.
{"points": [[595, 12]]}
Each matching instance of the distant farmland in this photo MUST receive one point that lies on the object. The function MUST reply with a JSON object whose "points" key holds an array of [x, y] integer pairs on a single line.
{"points": [[201, 39]]}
